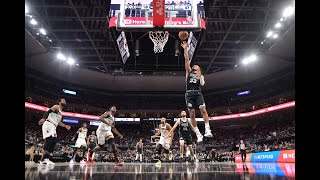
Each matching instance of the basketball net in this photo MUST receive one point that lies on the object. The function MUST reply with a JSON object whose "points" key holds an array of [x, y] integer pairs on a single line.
{"points": [[159, 39]]}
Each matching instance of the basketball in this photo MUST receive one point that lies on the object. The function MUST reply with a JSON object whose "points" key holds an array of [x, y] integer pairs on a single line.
{"points": [[183, 35]]}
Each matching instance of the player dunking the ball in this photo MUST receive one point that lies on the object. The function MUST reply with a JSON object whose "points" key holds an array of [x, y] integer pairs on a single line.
{"points": [[193, 95], [50, 120], [104, 134], [165, 139]]}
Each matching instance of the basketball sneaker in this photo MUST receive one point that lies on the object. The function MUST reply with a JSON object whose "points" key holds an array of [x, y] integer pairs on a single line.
{"points": [[208, 133], [82, 162], [199, 138], [46, 162], [158, 163]]}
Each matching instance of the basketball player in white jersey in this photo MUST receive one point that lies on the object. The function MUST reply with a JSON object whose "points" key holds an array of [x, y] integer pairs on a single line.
{"points": [[80, 143], [104, 134], [194, 98], [50, 120], [165, 139]]}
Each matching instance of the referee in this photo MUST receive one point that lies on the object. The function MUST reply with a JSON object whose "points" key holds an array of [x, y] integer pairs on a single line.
{"points": [[242, 149]]}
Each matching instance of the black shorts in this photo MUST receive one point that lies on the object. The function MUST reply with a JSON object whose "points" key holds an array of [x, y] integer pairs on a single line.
{"points": [[194, 99], [187, 140], [92, 145], [139, 151]]}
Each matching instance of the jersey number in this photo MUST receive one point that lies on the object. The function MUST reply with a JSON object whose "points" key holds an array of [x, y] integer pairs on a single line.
{"points": [[193, 80], [185, 128]]}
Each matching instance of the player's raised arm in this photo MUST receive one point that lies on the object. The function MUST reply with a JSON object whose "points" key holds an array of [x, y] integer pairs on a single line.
{"points": [[186, 57]]}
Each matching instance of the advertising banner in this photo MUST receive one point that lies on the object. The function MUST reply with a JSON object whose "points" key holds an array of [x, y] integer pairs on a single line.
{"points": [[284, 156]]}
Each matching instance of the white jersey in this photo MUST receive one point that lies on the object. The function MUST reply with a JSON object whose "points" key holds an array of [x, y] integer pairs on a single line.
{"points": [[164, 132], [55, 117], [106, 127], [83, 133]]}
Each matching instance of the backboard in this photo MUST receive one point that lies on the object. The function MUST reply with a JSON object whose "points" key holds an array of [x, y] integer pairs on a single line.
{"points": [[137, 15]]}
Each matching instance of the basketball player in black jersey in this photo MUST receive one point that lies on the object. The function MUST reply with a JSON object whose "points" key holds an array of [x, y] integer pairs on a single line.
{"points": [[50, 120], [193, 95], [185, 129], [91, 143], [139, 150]]}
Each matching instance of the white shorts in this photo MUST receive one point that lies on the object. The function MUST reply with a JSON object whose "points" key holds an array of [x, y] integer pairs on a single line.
{"points": [[81, 142], [48, 129], [104, 136], [164, 142]]}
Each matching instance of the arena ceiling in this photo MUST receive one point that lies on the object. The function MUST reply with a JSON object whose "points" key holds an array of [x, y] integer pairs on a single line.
{"points": [[234, 29]]}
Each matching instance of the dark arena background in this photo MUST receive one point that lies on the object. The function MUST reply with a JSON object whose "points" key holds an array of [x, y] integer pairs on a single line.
{"points": [[96, 54]]}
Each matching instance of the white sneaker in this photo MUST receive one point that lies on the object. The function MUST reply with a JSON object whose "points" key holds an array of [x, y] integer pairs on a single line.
{"points": [[49, 162], [199, 138], [208, 133], [72, 161], [82, 162]]}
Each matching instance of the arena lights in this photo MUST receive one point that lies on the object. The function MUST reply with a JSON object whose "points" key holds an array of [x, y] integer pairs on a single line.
{"points": [[61, 57], [278, 25], [249, 59], [33, 22], [288, 11], [42, 31], [275, 36], [269, 34], [70, 61], [282, 19], [77, 64]]}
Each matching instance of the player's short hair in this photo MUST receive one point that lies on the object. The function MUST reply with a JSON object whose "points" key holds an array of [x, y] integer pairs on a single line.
{"points": [[112, 107], [59, 100]]}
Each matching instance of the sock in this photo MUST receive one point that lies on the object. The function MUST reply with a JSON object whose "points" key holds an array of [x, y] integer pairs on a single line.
{"points": [[196, 130], [181, 155], [92, 157], [206, 125]]}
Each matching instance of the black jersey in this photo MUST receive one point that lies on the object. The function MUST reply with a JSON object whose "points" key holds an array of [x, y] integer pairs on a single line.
{"points": [[193, 81], [184, 128], [92, 139]]}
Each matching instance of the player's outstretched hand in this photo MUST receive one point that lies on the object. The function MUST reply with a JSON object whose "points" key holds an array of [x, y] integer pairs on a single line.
{"points": [[184, 45], [120, 136], [41, 121], [68, 127]]}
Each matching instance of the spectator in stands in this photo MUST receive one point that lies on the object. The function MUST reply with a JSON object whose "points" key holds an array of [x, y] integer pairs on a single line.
{"points": [[30, 152]]}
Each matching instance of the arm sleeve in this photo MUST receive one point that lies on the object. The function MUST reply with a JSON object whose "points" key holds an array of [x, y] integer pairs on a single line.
{"points": [[46, 114]]}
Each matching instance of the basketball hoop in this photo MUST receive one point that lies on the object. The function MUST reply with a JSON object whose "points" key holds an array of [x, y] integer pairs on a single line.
{"points": [[159, 39]]}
